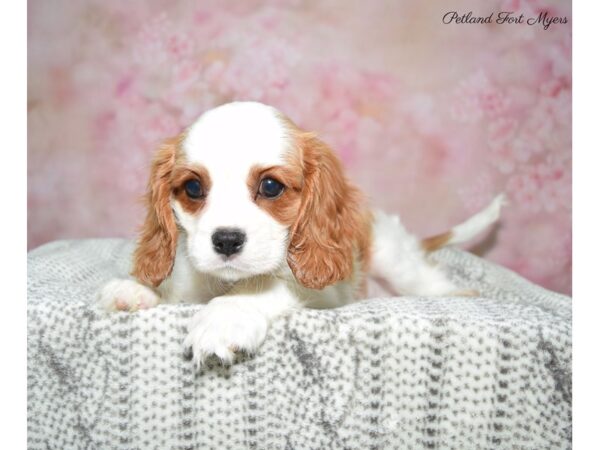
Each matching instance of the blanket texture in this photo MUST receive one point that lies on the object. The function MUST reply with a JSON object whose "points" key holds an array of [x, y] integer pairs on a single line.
{"points": [[450, 373]]}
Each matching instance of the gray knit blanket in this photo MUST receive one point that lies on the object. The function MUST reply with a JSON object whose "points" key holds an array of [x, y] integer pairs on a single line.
{"points": [[386, 373]]}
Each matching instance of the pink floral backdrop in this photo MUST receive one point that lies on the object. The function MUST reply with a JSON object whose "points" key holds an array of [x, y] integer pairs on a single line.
{"points": [[431, 120]]}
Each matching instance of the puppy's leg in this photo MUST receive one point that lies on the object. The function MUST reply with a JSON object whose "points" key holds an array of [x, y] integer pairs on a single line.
{"points": [[400, 261], [238, 321], [126, 295]]}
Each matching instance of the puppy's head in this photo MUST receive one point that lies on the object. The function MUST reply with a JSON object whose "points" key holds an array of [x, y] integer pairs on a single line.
{"points": [[251, 193]]}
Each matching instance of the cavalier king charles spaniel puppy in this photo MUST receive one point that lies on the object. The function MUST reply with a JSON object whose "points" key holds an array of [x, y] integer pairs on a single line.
{"points": [[254, 217]]}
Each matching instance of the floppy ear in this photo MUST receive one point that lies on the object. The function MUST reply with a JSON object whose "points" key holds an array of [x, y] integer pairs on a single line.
{"points": [[332, 226], [155, 253]]}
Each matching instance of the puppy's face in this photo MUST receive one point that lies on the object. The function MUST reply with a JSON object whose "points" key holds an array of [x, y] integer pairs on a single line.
{"points": [[252, 194], [236, 191]]}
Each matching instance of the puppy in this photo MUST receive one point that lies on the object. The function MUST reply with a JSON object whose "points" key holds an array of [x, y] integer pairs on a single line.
{"points": [[253, 216]]}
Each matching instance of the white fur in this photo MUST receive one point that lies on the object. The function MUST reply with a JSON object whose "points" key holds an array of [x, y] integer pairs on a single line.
{"points": [[239, 320], [479, 222], [246, 292], [399, 260], [126, 295]]}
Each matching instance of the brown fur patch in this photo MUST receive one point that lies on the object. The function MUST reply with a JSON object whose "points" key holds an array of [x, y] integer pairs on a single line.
{"points": [[155, 253], [435, 242], [183, 173], [333, 224], [285, 207]]}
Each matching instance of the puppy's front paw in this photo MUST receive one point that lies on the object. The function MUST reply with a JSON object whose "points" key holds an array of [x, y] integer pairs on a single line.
{"points": [[222, 328], [126, 295]]}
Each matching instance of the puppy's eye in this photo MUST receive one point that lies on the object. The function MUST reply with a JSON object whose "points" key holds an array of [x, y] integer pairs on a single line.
{"points": [[270, 188], [193, 189]]}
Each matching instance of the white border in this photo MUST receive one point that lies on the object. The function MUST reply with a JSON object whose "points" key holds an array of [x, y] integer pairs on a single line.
{"points": [[13, 240], [586, 223], [586, 300]]}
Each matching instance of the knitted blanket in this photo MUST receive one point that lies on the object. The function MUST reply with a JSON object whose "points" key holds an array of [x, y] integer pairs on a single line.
{"points": [[406, 373]]}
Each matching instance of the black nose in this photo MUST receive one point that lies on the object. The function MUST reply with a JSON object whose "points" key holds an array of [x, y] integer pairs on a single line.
{"points": [[228, 241]]}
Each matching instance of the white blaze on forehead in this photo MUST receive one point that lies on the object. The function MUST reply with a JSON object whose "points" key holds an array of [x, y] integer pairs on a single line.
{"points": [[236, 136]]}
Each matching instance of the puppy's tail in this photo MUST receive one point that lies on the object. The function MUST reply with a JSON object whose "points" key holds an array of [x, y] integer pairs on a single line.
{"points": [[468, 229]]}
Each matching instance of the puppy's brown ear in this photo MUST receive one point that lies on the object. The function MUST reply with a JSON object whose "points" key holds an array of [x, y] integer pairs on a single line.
{"points": [[155, 254], [333, 225]]}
